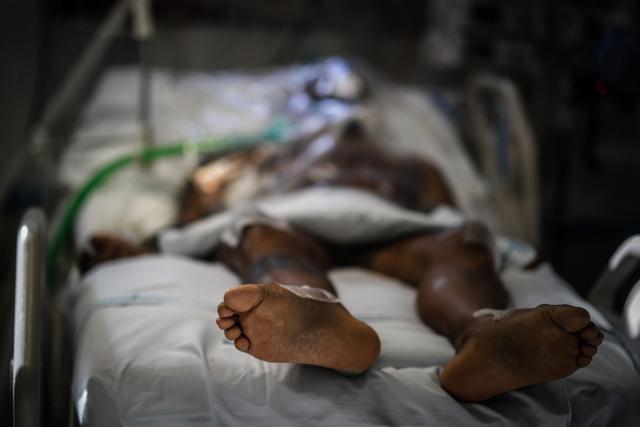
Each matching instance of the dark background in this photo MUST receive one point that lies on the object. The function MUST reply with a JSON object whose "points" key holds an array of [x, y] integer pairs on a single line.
{"points": [[577, 64]]}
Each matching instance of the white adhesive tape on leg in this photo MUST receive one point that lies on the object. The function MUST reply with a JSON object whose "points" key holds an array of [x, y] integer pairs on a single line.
{"points": [[311, 293], [496, 314]]}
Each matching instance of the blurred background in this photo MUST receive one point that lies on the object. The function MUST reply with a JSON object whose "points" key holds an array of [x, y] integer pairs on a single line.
{"points": [[576, 64]]}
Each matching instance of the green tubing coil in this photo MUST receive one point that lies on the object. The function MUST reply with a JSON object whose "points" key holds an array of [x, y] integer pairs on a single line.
{"points": [[64, 228]]}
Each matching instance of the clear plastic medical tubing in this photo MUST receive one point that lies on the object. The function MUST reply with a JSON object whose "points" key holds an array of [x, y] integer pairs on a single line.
{"points": [[274, 133]]}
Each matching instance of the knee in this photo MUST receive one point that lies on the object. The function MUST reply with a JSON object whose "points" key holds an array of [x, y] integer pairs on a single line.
{"points": [[471, 242], [472, 233], [266, 239], [464, 237], [257, 234], [254, 241]]}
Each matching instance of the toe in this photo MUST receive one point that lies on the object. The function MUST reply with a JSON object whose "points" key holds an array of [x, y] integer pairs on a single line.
{"points": [[233, 333], [583, 360], [243, 298], [224, 311], [242, 343], [588, 350], [597, 340], [570, 318], [592, 335], [589, 332], [225, 323]]}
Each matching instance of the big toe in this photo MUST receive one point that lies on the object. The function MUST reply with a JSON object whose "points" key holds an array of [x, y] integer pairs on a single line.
{"points": [[570, 318], [243, 298]]}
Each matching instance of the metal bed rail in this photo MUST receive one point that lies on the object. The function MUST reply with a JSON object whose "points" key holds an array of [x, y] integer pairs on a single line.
{"points": [[506, 147], [617, 292], [26, 366]]}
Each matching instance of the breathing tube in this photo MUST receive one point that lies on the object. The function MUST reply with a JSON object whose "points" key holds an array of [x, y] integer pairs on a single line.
{"points": [[274, 133]]}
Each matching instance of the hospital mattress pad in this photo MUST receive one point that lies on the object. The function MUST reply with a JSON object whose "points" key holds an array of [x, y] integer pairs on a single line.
{"points": [[148, 353]]}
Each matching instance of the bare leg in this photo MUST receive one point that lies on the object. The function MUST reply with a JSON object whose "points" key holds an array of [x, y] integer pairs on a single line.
{"points": [[268, 254], [272, 323], [454, 274]]}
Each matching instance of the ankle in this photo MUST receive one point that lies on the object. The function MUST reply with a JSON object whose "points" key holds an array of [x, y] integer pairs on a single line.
{"points": [[295, 278], [467, 330]]}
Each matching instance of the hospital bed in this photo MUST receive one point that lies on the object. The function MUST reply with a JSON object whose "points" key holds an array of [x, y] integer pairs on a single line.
{"points": [[134, 343]]}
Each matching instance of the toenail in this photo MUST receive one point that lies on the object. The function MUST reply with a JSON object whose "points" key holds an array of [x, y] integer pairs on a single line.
{"points": [[584, 312], [225, 323], [221, 308], [599, 338], [588, 350], [224, 311], [242, 344], [583, 360], [232, 333]]}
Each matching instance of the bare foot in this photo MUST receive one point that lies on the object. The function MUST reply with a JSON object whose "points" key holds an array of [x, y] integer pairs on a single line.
{"points": [[529, 346], [275, 325]]}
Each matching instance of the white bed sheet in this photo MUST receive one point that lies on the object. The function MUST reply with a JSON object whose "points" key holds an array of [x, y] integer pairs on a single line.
{"points": [[148, 353]]}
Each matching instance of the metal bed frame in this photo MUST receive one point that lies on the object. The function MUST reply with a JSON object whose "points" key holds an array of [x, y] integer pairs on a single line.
{"points": [[500, 135], [26, 369]]}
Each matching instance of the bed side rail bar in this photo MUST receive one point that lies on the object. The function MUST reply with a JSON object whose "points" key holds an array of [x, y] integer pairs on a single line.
{"points": [[28, 316], [506, 147], [617, 292]]}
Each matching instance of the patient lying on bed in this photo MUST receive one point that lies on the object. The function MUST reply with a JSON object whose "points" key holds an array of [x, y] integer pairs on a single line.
{"points": [[288, 311]]}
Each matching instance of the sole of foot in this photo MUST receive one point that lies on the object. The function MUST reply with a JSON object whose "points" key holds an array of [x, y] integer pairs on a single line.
{"points": [[275, 325], [525, 347]]}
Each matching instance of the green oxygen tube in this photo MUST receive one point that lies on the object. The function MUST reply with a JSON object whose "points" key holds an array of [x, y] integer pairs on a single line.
{"points": [[274, 133]]}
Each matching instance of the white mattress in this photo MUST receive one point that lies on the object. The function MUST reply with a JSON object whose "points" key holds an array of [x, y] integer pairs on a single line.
{"points": [[148, 353]]}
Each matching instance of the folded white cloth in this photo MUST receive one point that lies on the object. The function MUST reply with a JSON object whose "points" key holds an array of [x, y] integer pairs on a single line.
{"points": [[338, 215]]}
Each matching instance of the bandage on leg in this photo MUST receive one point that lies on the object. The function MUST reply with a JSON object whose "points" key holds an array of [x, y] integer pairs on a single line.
{"points": [[315, 294], [496, 314]]}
